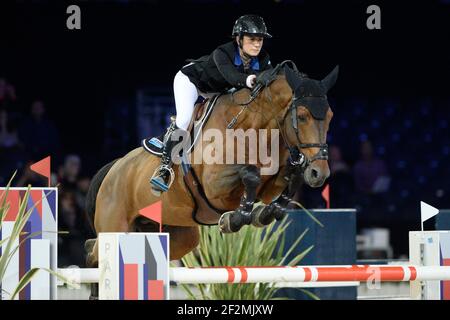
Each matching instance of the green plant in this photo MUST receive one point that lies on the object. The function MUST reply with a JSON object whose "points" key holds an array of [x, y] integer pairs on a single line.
{"points": [[248, 247]]}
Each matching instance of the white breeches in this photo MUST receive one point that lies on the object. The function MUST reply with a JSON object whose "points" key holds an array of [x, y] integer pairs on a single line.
{"points": [[186, 94]]}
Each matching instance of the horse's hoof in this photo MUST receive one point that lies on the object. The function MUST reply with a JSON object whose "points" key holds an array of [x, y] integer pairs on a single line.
{"points": [[229, 222], [256, 216], [279, 213], [89, 245], [224, 222], [94, 291], [262, 216]]}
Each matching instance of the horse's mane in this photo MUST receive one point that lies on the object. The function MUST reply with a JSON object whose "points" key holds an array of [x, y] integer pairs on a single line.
{"points": [[268, 76]]}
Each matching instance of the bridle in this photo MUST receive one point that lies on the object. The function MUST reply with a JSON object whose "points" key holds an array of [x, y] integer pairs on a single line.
{"points": [[297, 157]]}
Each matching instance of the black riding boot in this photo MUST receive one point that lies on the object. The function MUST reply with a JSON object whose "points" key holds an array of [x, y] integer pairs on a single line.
{"points": [[164, 175]]}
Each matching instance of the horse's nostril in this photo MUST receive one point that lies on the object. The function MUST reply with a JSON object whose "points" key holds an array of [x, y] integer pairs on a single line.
{"points": [[314, 173]]}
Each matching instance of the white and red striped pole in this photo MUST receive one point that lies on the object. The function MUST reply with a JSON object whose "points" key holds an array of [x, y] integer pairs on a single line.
{"points": [[362, 273]]}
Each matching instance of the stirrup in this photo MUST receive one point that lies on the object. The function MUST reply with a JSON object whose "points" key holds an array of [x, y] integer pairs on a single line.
{"points": [[158, 181]]}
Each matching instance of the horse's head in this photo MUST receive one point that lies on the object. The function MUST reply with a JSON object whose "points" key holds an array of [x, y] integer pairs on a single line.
{"points": [[307, 121]]}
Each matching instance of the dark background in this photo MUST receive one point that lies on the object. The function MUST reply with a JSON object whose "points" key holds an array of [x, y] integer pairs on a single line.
{"points": [[125, 45], [82, 75]]}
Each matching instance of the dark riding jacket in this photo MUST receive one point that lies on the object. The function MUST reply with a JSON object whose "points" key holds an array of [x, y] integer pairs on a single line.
{"points": [[223, 69]]}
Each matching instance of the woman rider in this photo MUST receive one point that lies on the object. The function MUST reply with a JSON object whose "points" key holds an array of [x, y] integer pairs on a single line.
{"points": [[232, 65]]}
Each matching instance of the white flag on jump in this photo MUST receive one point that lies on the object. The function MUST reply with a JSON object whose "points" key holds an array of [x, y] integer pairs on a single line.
{"points": [[427, 212]]}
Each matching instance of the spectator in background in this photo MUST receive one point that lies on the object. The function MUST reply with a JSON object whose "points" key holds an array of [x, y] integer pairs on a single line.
{"points": [[38, 133], [337, 163], [8, 102], [73, 190], [68, 173], [80, 197], [82, 189], [7, 95], [370, 172], [341, 180], [12, 155], [71, 244], [8, 132], [371, 183]]}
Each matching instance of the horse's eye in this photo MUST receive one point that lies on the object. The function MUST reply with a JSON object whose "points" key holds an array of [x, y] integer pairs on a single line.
{"points": [[302, 118]]}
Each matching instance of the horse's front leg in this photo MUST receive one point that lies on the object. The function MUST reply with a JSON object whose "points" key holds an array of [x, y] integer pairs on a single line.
{"points": [[265, 215], [233, 221]]}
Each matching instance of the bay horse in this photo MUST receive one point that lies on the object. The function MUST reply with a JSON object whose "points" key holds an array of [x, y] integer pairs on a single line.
{"points": [[287, 101]]}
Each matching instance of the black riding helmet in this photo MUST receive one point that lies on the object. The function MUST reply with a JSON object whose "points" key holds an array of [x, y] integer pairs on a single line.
{"points": [[250, 24]]}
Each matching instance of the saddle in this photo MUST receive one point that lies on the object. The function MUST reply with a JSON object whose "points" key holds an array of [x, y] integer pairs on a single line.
{"points": [[204, 213], [202, 111]]}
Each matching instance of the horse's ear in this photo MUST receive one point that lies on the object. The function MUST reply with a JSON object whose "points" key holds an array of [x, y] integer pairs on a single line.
{"points": [[329, 81], [291, 78]]}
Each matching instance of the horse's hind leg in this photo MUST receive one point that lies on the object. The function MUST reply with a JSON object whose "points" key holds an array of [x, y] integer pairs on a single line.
{"points": [[91, 247], [182, 240], [110, 217], [234, 220]]}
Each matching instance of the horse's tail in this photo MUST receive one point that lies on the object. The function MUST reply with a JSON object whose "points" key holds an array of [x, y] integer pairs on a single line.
{"points": [[91, 197]]}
